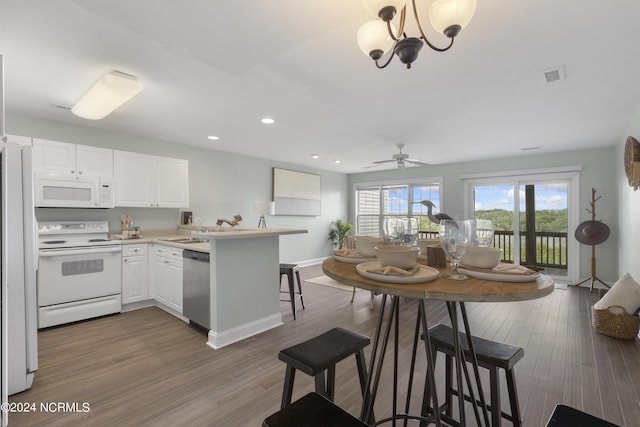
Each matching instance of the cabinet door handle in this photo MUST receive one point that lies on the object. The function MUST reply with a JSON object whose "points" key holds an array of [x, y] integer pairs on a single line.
{"points": [[125, 260], [72, 172], [79, 172]]}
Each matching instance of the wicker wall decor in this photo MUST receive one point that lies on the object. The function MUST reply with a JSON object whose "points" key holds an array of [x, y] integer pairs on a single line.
{"points": [[632, 162]]}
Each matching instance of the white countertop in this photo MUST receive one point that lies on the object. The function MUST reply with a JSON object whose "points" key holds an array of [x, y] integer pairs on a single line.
{"points": [[160, 236], [238, 233]]}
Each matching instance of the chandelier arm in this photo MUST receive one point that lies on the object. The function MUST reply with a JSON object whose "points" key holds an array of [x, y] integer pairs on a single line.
{"points": [[423, 36], [393, 36], [396, 37], [388, 60]]}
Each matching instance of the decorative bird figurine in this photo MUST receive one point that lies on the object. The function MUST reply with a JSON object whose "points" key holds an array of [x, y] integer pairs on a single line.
{"points": [[437, 217]]}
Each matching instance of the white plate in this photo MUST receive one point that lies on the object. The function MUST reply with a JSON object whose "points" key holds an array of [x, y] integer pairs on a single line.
{"points": [[425, 274], [499, 277], [354, 259]]}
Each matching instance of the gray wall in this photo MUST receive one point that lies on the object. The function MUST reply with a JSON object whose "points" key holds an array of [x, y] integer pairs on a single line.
{"points": [[628, 209], [598, 172], [221, 185]]}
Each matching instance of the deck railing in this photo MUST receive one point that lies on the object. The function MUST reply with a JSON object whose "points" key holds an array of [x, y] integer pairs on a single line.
{"points": [[550, 247]]}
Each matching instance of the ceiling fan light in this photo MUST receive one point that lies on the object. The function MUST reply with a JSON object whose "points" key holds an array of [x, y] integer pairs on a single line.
{"points": [[374, 7], [108, 94], [373, 36], [451, 16]]}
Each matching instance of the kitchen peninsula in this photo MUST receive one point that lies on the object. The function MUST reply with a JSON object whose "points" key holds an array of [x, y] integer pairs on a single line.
{"points": [[244, 276]]}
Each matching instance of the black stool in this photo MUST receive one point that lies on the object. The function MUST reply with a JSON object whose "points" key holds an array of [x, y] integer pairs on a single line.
{"points": [[313, 410], [288, 270], [319, 356], [490, 355], [566, 416]]}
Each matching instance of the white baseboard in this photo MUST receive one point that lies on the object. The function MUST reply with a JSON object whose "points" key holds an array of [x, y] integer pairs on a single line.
{"points": [[224, 338]]}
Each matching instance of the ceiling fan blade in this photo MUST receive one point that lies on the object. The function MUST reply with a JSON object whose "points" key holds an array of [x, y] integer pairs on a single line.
{"points": [[370, 166], [417, 162], [384, 161]]}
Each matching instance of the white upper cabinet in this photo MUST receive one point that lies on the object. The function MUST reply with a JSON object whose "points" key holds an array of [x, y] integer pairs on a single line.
{"points": [[172, 182], [20, 140], [142, 180], [64, 159]]}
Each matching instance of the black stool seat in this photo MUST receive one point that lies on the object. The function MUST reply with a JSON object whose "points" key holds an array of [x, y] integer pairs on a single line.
{"points": [[566, 416], [491, 355], [319, 355], [312, 410], [290, 270]]}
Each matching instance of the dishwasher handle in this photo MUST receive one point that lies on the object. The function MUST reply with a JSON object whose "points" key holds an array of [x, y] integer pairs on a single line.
{"points": [[195, 255]]}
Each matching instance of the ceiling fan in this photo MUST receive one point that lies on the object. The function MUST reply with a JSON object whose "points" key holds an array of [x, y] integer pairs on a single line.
{"points": [[401, 159]]}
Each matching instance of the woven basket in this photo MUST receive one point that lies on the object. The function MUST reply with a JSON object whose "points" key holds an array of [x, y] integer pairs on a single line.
{"points": [[615, 322]]}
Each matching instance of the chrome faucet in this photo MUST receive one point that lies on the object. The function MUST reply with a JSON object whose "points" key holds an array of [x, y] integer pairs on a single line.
{"points": [[233, 222]]}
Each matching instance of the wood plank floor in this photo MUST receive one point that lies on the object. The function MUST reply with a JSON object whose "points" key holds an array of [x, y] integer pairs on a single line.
{"points": [[147, 368]]}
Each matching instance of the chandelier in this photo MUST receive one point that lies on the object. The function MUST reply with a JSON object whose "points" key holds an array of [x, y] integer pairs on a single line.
{"points": [[377, 37]]}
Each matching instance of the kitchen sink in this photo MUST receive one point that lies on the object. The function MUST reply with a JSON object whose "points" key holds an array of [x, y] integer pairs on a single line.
{"points": [[186, 240], [192, 240]]}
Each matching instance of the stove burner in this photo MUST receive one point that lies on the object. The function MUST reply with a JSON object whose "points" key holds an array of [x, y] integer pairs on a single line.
{"points": [[54, 242], [99, 240]]}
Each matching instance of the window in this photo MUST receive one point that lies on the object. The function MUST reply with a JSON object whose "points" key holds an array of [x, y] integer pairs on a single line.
{"points": [[376, 202]]}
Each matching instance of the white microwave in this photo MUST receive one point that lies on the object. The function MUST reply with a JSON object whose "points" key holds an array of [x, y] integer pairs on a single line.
{"points": [[86, 192]]}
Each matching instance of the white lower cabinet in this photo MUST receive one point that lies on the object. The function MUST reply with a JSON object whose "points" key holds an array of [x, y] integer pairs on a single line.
{"points": [[167, 276], [135, 276]]}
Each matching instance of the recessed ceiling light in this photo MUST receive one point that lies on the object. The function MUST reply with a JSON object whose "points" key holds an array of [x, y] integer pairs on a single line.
{"points": [[213, 137], [268, 121], [314, 156], [336, 161]]}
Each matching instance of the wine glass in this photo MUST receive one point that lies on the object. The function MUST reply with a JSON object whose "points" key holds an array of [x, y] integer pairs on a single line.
{"points": [[484, 230], [455, 238], [393, 229], [409, 232]]}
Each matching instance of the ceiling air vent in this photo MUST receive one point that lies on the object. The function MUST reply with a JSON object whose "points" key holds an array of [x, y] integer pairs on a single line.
{"points": [[553, 75]]}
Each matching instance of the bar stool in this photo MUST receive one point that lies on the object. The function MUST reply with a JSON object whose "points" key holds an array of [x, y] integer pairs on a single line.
{"points": [[289, 270], [566, 416], [490, 355], [318, 357], [312, 410]]}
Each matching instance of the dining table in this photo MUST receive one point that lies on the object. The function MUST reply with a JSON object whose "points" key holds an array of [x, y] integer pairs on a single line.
{"points": [[429, 284]]}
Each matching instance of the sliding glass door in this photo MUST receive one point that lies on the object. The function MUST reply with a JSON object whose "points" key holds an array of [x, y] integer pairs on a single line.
{"points": [[533, 216]]}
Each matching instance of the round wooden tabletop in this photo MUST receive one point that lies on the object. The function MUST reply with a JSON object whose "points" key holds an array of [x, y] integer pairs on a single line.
{"points": [[470, 290]]}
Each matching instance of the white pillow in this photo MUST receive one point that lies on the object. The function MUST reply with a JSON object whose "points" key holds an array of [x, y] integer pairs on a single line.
{"points": [[625, 292]]}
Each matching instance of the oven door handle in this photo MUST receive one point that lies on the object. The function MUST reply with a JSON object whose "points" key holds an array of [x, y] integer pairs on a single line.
{"points": [[83, 251]]}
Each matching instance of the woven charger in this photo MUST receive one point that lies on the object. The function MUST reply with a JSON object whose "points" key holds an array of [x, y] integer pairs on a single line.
{"points": [[615, 322]]}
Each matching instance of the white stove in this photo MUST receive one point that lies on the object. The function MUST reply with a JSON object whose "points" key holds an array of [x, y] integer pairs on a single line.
{"points": [[73, 234], [78, 272]]}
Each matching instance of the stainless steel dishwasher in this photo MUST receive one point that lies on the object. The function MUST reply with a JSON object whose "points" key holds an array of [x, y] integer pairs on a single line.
{"points": [[196, 290]]}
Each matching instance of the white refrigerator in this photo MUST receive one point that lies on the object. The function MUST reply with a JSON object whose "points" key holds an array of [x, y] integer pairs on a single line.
{"points": [[18, 319]]}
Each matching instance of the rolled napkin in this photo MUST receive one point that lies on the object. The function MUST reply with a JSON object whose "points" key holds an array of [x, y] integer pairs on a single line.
{"points": [[345, 253], [513, 269], [395, 271]]}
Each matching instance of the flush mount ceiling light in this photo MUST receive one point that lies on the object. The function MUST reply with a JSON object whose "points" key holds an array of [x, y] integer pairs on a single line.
{"points": [[268, 121], [377, 37], [109, 93]]}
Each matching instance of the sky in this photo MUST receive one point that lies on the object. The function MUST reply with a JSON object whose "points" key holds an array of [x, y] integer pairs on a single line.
{"points": [[548, 197]]}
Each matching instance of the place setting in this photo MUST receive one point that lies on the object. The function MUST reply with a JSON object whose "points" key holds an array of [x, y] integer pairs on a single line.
{"points": [[466, 244], [396, 256], [397, 264]]}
